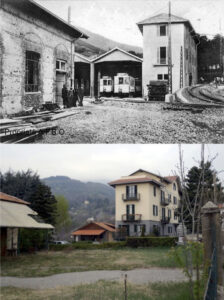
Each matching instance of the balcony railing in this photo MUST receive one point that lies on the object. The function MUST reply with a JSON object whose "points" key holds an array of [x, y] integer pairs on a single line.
{"points": [[164, 201], [165, 220], [126, 197], [131, 217]]}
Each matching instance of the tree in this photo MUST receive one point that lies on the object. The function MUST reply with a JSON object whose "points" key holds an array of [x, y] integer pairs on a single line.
{"points": [[211, 189], [63, 219]]}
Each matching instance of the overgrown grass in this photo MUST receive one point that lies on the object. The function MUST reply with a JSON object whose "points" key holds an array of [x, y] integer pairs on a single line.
{"points": [[102, 290], [49, 263]]}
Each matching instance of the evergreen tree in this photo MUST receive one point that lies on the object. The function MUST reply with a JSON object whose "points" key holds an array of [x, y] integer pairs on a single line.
{"points": [[193, 180]]}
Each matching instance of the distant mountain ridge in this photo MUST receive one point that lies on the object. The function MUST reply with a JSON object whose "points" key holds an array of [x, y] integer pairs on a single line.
{"points": [[97, 44], [90, 199]]}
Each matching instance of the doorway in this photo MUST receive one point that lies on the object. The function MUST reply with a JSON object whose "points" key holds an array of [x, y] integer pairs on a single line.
{"points": [[60, 81]]}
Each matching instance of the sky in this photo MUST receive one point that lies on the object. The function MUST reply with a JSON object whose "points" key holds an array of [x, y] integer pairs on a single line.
{"points": [[116, 19], [104, 163]]}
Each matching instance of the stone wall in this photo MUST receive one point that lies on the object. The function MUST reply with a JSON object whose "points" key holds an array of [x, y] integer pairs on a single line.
{"points": [[20, 34]]}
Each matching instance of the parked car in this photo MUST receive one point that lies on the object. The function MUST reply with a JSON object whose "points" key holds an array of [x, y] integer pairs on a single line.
{"points": [[60, 242]]}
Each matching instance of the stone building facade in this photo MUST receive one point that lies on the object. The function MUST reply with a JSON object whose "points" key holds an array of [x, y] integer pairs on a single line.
{"points": [[36, 49]]}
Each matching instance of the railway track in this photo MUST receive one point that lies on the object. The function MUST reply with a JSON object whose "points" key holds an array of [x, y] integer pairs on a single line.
{"points": [[195, 95]]}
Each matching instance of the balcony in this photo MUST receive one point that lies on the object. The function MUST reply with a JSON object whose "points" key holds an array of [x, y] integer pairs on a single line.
{"points": [[126, 197], [131, 217], [164, 201], [165, 220]]}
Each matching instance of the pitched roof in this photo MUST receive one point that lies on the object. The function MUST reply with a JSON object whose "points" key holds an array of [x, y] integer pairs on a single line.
{"points": [[134, 180], [100, 227], [164, 19], [33, 8], [88, 232], [6, 197], [16, 214], [141, 170], [120, 50], [171, 178]]}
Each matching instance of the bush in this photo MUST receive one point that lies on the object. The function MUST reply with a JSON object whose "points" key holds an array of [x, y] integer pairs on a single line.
{"points": [[151, 241], [87, 245]]}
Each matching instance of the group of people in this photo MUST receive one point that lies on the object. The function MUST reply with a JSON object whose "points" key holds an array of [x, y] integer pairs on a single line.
{"points": [[72, 97]]}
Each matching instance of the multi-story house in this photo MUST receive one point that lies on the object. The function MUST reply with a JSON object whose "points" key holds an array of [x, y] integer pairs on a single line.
{"points": [[144, 199], [155, 51]]}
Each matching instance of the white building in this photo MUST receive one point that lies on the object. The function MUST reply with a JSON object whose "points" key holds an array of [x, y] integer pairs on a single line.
{"points": [[155, 50]]}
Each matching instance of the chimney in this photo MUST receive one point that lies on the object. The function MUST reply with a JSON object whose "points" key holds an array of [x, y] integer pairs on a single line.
{"points": [[69, 14]]}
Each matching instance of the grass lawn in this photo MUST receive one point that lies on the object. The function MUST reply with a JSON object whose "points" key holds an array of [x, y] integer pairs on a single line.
{"points": [[54, 262], [102, 290]]}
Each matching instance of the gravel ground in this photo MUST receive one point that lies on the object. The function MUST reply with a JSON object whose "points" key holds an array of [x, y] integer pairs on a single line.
{"points": [[125, 122], [137, 276]]}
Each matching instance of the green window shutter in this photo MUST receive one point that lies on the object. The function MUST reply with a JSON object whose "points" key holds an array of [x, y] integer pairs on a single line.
{"points": [[133, 209], [127, 209]]}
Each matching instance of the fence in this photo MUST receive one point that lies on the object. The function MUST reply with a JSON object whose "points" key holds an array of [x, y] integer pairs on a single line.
{"points": [[211, 288]]}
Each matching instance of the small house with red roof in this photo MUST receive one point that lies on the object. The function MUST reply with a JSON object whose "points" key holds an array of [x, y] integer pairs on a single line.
{"points": [[15, 213], [95, 232], [147, 202]]}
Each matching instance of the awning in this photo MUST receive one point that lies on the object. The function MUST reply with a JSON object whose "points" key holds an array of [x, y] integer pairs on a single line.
{"points": [[89, 232], [20, 216]]}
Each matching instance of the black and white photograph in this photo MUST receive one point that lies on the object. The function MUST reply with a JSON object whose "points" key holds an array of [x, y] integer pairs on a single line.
{"points": [[105, 71], [112, 149]]}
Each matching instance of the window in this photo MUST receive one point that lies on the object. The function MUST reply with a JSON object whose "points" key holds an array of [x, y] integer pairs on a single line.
{"points": [[169, 198], [154, 191], [126, 80], [170, 229], [174, 200], [169, 213], [160, 76], [109, 82], [162, 196], [131, 191], [162, 30], [174, 186], [166, 77], [32, 71], [130, 209], [105, 82], [121, 80], [162, 55], [155, 210], [61, 65], [175, 216]]}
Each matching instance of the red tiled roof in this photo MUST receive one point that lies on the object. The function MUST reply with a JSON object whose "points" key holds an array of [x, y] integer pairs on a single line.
{"points": [[105, 226], [171, 178], [88, 232], [134, 180], [6, 197]]}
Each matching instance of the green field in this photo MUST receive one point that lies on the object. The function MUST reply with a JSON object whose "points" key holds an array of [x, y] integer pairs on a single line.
{"points": [[102, 290], [54, 262]]}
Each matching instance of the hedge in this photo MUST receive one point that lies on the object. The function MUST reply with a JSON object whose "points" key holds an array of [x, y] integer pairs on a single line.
{"points": [[87, 245], [151, 241]]}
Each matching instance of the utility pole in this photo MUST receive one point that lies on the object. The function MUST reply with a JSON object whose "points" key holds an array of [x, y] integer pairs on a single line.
{"points": [[181, 67], [72, 56], [169, 53], [221, 52]]}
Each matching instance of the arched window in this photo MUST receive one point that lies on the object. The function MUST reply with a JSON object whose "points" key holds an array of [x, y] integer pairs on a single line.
{"points": [[32, 79]]}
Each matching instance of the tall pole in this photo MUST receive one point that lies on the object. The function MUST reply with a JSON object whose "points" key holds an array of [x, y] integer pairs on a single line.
{"points": [[221, 52], [169, 53]]}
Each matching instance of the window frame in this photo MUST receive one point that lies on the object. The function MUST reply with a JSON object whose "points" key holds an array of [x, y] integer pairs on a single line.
{"points": [[163, 26], [60, 61], [32, 65]]}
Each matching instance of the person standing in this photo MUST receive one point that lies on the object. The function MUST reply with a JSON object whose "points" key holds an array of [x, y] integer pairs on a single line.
{"points": [[65, 95]]}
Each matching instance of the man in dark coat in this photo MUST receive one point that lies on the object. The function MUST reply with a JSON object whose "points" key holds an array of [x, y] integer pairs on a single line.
{"points": [[65, 95]]}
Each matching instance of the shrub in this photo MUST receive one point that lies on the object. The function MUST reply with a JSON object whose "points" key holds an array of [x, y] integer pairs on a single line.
{"points": [[87, 245], [151, 241]]}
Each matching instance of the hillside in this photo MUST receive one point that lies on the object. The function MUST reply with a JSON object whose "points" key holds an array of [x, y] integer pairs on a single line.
{"points": [[90, 199], [97, 44]]}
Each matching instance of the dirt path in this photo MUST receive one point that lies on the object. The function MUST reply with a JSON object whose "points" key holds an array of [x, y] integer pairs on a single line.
{"points": [[124, 122], [137, 276]]}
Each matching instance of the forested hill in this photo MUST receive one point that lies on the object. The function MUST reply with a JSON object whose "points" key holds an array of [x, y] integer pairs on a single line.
{"points": [[90, 199], [97, 44]]}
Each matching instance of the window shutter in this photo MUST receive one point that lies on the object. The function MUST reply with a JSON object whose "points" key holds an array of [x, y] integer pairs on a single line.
{"points": [[158, 30], [158, 55], [133, 209], [157, 210], [127, 190], [135, 190], [127, 209], [166, 55]]}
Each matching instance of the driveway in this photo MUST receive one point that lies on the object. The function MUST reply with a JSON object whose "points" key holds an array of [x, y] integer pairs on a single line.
{"points": [[137, 276]]}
